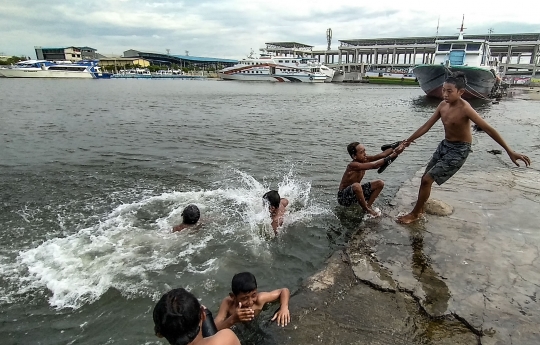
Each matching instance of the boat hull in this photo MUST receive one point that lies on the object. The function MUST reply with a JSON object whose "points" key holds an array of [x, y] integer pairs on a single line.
{"points": [[38, 73], [431, 78], [274, 78]]}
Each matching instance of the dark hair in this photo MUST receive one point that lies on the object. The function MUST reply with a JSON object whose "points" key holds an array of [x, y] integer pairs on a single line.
{"points": [[273, 198], [177, 316], [191, 214], [243, 282], [351, 148], [458, 79]]}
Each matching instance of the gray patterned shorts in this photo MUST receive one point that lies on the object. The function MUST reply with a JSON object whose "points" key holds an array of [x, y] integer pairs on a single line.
{"points": [[447, 160], [346, 196]]}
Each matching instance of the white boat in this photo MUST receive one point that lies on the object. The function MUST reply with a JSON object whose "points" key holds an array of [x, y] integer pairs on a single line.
{"points": [[278, 69], [54, 69], [470, 56]]}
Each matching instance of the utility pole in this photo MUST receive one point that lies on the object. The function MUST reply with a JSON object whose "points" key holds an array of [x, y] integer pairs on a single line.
{"points": [[490, 31]]}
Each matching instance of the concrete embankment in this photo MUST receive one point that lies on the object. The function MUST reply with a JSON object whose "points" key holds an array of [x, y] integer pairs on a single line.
{"points": [[472, 277]]}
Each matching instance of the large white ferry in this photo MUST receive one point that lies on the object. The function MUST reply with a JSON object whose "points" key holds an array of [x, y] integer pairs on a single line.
{"points": [[59, 69], [281, 62], [278, 69]]}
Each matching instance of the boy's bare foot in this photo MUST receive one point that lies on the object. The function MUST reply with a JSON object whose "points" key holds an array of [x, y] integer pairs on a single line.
{"points": [[409, 218]]}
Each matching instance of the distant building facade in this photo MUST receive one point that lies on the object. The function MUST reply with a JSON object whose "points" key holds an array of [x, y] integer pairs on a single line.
{"points": [[121, 62], [71, 53]]}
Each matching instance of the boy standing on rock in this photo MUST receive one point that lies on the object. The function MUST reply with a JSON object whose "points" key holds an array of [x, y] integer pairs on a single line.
{"points": [[456, 115]]}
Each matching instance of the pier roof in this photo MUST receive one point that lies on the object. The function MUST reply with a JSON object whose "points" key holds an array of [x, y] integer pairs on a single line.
{"points": [[177, 59], [519, 37], [288, 45], [204, 59]]}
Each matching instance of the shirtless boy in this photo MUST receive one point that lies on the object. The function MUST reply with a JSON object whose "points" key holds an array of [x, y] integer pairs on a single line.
{"points": [[276, 206], [351, 190], [179, 318], [244, 303], [190, 218], [456, 115]]}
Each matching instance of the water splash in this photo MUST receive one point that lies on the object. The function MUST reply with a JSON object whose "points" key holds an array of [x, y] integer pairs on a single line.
{"points": [[133, 244]]}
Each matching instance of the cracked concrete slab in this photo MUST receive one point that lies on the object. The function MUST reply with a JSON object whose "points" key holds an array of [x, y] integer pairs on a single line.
{"points": [[481, 262], [351, 312]]}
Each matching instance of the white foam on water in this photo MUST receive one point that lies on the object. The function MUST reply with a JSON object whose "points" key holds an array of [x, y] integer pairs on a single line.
{"points": [[134, 242], [368, 216]]}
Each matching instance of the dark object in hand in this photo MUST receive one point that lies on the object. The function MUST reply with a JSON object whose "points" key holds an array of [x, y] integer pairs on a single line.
{"points": [[387, 162], [391, 146], [208, 327]]}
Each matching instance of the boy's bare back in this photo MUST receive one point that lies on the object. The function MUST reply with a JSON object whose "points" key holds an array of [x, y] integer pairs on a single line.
{"points": [[277, 215]]}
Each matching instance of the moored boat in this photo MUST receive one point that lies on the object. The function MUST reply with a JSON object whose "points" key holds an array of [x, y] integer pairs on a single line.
{"points": [[470, 56], [88, 69], [278, 69]]}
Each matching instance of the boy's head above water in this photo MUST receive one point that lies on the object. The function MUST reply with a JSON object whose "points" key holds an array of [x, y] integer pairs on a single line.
{"points": [[177, 316], [273, 198], [454, 86], [244, 289], [191, 214]]}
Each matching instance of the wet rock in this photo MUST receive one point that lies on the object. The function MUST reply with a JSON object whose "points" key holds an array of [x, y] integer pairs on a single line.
{"points": [[495, 152], [438, 208], [351, 312], [487, 252], [325, 278]]}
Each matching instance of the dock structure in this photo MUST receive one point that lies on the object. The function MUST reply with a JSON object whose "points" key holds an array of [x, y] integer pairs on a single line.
{"points": [[518, 54], [288, 48]]}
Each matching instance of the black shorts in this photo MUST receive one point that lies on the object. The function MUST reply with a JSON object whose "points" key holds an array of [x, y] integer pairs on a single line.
{"points": [[447, 160], [346, 197]]}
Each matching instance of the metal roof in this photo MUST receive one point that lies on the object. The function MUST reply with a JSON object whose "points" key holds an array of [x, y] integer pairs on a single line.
{"points": [[519, 37], [175, 58], [203, 59], [43, 48], [288, 45]]}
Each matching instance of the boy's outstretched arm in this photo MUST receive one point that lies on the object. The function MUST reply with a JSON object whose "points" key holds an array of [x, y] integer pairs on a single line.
{"points": [[426, 126], [492, 132], [357, 166], [282, 316]]}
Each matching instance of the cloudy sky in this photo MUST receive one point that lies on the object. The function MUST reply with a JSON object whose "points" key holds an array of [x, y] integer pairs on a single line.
{"points": [[230, 28]]}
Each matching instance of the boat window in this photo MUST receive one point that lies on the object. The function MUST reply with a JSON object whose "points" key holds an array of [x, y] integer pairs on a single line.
{"points": [[286, 61], [444, 47], [472, 47], [62, 68], [281, 61], [458, 46]]}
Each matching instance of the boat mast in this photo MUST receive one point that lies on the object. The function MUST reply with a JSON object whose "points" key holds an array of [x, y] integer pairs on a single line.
{"points": [[437, 33], [460, 37]]}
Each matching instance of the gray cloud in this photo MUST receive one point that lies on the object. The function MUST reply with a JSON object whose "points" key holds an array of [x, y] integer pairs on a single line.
{"points": [[227, 28]]}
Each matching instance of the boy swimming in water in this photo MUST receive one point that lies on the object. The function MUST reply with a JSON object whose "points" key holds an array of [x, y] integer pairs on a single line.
{"points": [[456, 115], [244, 303], [351, 191], [276, 206], [190, 217]]}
